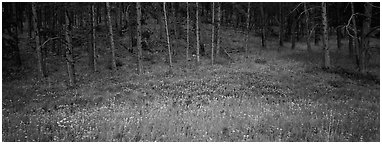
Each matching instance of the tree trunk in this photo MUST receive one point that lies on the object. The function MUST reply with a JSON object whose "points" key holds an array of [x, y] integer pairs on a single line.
{"points": [[69, 52], [247, 36], [213, 33], [351, 48], [197, 34], [293, 35], [16, 53], [281, 32], [92, 54], [188, 33], [338, 29], [174, 20], [263, 43], [365, 40], [139, 38], [111, 36], [218, 30], [355, 37], [40, 62], [326, 63], [307, 28], [168, 37]]}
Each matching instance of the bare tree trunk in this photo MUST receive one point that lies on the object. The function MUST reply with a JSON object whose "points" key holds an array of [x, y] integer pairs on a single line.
{"points": [[355, 37], [365, 40], [197, 34], [168, 38], [307, 28], [92, 58], [111, 36], [218, 30], [326, 63], [69, 52], [139, 37], [281, 32], [247, 37], [40, 62], [213, 33], [188, 33]]}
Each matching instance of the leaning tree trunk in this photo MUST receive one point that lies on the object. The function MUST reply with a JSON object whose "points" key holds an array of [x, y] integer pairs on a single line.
{"points": [[307, 28], [326, 63], [111, 36], [92, 54], [218, 30], [40, 63], [365, 40], [69, 51], [197, 34], [247, 36], [168, 37], [188, 33], [355, 37], [139, 37], [213, 33]]}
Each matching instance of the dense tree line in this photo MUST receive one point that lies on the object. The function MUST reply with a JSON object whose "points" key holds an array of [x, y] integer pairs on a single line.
{"points": [[53, 24]]}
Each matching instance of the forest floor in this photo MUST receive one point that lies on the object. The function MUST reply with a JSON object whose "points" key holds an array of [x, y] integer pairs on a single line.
{"points": [[269, 96]]}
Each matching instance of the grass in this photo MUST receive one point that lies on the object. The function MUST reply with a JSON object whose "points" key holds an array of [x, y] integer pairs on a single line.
{"points": [[269, 96]]}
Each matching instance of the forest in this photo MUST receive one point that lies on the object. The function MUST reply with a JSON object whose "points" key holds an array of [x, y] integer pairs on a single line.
{"points": [[190, 71]]}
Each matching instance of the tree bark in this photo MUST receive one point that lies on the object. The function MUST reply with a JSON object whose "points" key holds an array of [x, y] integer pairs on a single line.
{"points": [[40, 62], [92, 58], [139, 37], [326, 63], [307, 28], [69, 51], [111, 36], [168, 38], [213, 33], [188, 33], [247, 36], [197, 34]]}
